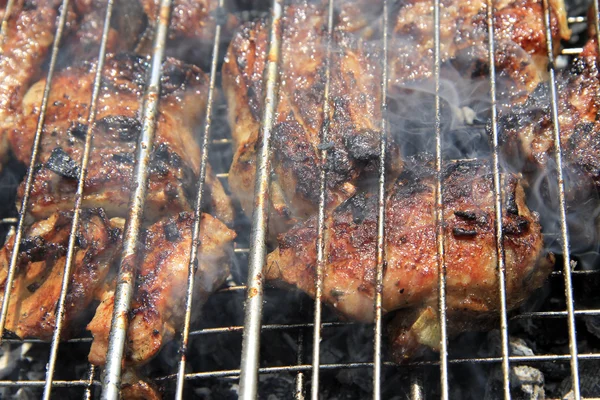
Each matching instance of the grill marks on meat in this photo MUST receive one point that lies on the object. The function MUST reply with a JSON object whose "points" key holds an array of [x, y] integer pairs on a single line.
{"points": [[174, 164], [411, 276], [29, 35], [353, 121], [37, 283], [520, 44], [158, 307]]}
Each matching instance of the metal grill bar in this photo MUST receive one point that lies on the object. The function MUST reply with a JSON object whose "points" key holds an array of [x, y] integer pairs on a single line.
{"points": [[381, 212], [198, 211], [597, 23], [60, 313], [439, 210], [498, 206], [299, 395], [562, 207], [256, 259], [118, 330], [316, 354], [87, 394], [368, 365], [33, 161]]}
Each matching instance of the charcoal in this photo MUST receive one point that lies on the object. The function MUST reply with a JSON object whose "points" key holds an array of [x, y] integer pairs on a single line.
{"points": [[592, 323]]}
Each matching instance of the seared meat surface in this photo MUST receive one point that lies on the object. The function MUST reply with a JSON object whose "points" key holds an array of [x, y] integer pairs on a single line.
{"points": [[527, 139], [29, 34], [192, 27], [354, 119], [519, 38], [158, 307], [175, 160], [355, 92], [411, 275], [40, 268]]}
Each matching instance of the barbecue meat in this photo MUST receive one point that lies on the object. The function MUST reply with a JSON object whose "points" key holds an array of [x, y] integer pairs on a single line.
{"points": [[411, 274], [354, 119], [527, 139], [40, 268], [192, 27], [175, 160], [85, 36], [158, 307], [29, 34], [519, 40]]}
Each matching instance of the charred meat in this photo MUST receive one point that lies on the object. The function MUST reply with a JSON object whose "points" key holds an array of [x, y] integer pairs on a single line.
{"points": [[175, 160], [519, 39], [353, 122], [159, 304], [37, 284], [411, 273], [29, 34], [527, 139]]}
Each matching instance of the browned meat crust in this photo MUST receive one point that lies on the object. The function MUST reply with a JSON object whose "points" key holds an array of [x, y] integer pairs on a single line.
{"points": [[520, 44], [192, 27], [411, 275], [37, 283], [527, 140], [175, 160], [354, 119], [29, 35], [159, 304]]}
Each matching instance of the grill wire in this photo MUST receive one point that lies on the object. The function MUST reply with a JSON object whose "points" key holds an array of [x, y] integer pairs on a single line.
{"points": [[251, 369]]}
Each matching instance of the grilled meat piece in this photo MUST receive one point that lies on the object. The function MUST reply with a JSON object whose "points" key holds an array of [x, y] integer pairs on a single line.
{"points": [[159, 304], [354, 119], [40, 268], [527, 139], [192, 27], [411, 275], [83, 41], [519, 40], [29, 34], [175, 160]]}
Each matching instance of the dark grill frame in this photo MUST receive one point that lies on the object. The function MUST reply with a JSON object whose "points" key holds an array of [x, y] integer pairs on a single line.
{"points": [[249, 370]]}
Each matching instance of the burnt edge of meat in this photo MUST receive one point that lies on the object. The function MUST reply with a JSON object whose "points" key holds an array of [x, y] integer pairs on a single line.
{"points": [[132, 72], [62, 164]]}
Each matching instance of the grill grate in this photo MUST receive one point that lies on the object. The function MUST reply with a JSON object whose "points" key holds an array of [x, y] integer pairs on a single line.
{"points": [[250, 369]]}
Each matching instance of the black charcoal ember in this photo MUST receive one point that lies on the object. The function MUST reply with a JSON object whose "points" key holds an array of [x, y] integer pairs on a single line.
{"points": [[589, 382], [526, 383], [592, 323]]}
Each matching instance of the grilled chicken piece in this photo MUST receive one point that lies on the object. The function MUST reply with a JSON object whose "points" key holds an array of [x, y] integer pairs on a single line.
{"points": [[354, 119], [527, 140], [158, 307], [175, 160], [519, 40], [133, 387], [411, 276], [83, 42], [192, 27], [29, 34], [37, 283]]}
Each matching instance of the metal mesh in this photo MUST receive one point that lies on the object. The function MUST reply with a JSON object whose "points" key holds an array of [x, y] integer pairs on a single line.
{"points": [[251, 368]]}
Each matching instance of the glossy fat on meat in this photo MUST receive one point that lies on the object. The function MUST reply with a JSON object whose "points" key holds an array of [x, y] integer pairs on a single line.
{"points": [[175, 160], [29, 35], [354, 120], [411, 275], [158, 307], [38, 278]]}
